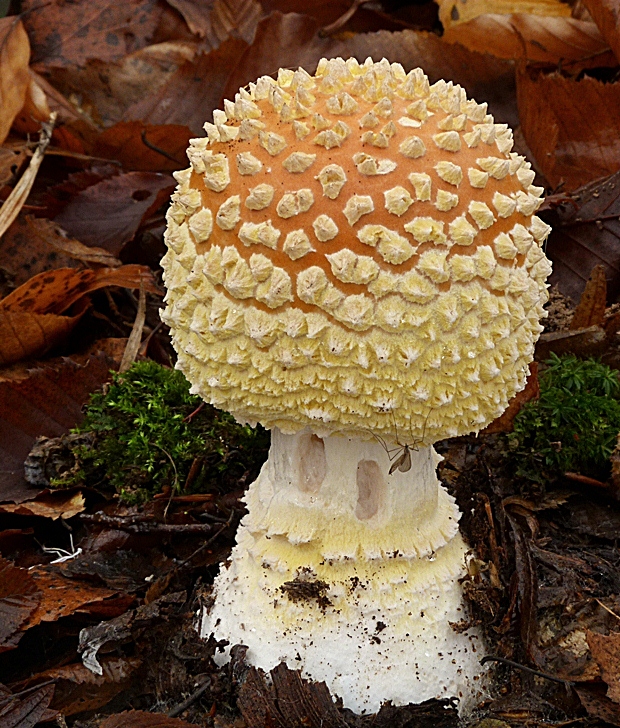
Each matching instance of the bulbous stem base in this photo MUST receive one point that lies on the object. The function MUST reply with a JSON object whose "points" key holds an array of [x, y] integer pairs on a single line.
{"points": [[351, 574]]}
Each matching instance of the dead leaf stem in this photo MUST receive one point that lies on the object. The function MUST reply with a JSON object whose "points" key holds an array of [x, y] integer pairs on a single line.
{"points": [[15, 201]]}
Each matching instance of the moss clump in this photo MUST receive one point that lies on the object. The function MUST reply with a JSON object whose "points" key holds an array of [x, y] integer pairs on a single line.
{"points": [[572, 426], [151, 433]]}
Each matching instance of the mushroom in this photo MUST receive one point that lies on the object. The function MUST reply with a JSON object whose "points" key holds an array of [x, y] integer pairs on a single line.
{"points": [[355, 263]]}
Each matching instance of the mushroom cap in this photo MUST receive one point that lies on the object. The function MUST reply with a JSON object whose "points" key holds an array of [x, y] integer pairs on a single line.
{"points": [[356, 252]]}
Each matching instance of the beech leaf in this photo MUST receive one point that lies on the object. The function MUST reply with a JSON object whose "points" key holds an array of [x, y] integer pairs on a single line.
{"points": [[14, 78]]}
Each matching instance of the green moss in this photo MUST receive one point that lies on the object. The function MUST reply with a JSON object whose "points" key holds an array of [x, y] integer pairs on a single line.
{"points": [[572, 426], [150, 432]]}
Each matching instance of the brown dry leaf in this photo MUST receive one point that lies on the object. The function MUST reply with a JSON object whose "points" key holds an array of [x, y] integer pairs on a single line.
{"points": [[70, 33], [504, 423], [14, 78], [107, 90], [12, 156], [217, 21], [132, 142], [606, 14], [45, 400], [185, 98], [457, 12], [535, 38], [598, 705], [571, 126], [78, 689], [141, 719], [483, 76], [586, 232], [27, 335], [49, 505], [606, 651], [61, 597], [26, 711], [55, 291], [108, 214], [33, 245], [590, 310], [19, 598]]}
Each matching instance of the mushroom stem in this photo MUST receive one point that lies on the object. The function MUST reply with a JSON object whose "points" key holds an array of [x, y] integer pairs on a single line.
{"points": [[350, 573]]}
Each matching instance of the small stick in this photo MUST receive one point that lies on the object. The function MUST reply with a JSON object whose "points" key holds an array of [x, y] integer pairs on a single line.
{"points": [[344, 18], [15, 201], [153, 148], [518, 666], [178, 709]]}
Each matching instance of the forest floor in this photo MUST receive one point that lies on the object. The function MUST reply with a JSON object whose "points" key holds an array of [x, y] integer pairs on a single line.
{"points": [[101, 579]]}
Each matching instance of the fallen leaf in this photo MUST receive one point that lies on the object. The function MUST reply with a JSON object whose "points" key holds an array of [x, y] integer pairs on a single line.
{"points": [[79, 690], [606, 651], [14, 78], [53, 292], [45, 399], [53, 506], [141, 719], [570, 125], [585, 233], [109, 213], [484, 77], [26, 335], [590, 310], [33, 245], [11, 159], [107, 90], [215, 22], [599, 706], [606, 14], [26, 711], [184, 98], [530, 37], [457, 12], [144, 147], [504, 423], [70, 33], [61, 597], [19, 598]]}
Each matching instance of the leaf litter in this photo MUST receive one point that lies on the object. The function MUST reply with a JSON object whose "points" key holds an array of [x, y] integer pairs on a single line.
{"points": [[131, 84]]}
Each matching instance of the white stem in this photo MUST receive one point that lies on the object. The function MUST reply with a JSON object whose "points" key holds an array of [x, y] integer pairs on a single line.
{"points": [[350, 574]]}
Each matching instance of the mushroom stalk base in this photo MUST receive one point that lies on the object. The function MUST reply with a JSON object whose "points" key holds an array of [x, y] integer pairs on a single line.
{"points": [[351, 574]]}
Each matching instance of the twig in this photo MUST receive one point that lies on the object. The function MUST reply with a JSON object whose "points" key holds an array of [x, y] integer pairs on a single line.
{"points": [[606, 608], [524, 668], [342, 20], [177, 710], [15, 201], [153, 148], [135, 337]]}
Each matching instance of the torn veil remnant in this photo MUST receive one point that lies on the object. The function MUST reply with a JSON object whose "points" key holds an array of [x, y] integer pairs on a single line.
{"points": [[352, 254]]}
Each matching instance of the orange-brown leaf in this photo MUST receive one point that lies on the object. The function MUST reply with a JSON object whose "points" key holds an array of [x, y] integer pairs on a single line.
{"points": [[14, 78], [590, 310], [571, 126], [606, 14], [605, 650], [535, 38], [61, 597], [57, 290], [125, 142], [48, 505], [11, 159], [25, 335]]}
